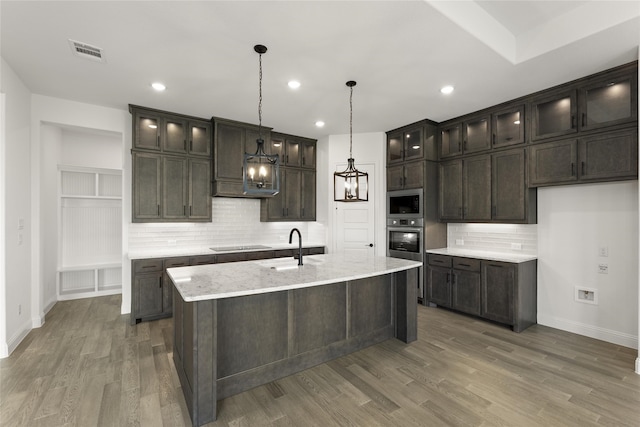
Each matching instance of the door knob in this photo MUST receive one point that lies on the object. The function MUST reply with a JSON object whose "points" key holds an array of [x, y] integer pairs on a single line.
{"points": [[370, 245]]}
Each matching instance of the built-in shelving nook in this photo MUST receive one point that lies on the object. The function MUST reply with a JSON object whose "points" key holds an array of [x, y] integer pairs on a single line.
{"points": [[90, 232]]}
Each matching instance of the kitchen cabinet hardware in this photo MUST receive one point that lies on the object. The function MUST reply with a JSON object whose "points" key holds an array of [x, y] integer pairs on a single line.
{"points": [[573, 169]]}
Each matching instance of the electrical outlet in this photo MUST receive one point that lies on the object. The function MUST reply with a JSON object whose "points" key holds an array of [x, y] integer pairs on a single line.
{"points": [[20, 223], [603, 251], [172, 242], [516, 246], [20, 239], [603, 268], [459, 242]]}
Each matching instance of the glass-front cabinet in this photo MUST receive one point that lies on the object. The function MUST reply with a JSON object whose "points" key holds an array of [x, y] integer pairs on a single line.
{"points": [[608, 102], [508, 126], [554, 115], [407, 144]]}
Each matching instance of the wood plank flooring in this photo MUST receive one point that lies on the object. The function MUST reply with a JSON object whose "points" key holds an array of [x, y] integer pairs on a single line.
{"points": [[88, 367]]}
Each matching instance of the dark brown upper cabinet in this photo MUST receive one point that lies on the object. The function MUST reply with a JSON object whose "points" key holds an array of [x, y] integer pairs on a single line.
{"points": [[170, 133], [554, 115], [413, 142], [609, 156], [450, 140], [608, 101], [508, 126], [293, 151], [476, 134]]}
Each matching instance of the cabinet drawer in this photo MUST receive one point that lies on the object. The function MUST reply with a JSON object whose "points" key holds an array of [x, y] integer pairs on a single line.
{"points": [[176, 262], [147, 265], [232, 257], [440, 260], [202, 260], [468, 264]]}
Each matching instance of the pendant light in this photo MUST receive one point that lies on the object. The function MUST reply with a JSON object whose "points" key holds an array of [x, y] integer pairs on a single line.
{"points": [[351, 185], [261, 171]]}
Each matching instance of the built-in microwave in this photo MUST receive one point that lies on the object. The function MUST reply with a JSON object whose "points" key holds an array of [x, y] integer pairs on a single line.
{"points": [[405, 204]]}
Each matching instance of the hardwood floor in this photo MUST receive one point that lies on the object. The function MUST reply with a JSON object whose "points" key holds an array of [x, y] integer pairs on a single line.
{"points": [[88, 367]]}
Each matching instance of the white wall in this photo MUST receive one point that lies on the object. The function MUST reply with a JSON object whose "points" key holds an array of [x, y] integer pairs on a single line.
{"points": [[15, 324], [574, 222], [74, 117], [367, 148], [50, 157]]}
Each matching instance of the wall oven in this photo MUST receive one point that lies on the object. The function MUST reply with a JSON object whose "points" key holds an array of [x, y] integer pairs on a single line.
{"points": [[405, 239]]}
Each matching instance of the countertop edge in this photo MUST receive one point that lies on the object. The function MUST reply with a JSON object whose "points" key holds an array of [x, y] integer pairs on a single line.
{"points": [[205, 250], [484, 255]]}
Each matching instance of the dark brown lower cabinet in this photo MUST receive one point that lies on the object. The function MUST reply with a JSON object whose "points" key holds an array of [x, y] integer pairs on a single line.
{"points": [[499, 291], [152, 291], [466, 285]]}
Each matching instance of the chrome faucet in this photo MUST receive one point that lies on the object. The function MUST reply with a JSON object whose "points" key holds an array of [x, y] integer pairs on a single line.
{"points": [[299, 244]]}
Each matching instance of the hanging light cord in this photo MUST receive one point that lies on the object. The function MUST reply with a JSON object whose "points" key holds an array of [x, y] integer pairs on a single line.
{"points": [[351, 123], [260, 97]]}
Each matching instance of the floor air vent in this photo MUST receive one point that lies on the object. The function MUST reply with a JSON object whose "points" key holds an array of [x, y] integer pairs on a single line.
{"points": [[87, 51]]}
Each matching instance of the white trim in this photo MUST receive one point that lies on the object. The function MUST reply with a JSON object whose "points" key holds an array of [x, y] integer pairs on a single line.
{"points": [[608, 335], [638, 365], [16, 339], [4, 347]]}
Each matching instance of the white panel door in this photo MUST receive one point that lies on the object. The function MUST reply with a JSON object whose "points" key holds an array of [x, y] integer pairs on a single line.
{"points": [[354, 233]]}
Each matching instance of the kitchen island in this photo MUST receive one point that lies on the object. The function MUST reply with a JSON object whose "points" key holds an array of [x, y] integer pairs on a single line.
{"points": [[241, 325]]}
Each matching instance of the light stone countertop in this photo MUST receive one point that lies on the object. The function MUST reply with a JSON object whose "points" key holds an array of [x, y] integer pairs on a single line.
{"points": [[173, 251], [488, 255], [217, 281]]}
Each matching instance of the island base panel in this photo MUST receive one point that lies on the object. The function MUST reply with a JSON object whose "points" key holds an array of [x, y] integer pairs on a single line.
{"points": [[226, 346]]}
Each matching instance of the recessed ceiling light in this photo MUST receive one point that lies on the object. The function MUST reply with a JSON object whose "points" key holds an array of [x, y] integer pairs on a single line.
{"points": [[447, 90], [294, 84], [158, 86], [319, 123]]}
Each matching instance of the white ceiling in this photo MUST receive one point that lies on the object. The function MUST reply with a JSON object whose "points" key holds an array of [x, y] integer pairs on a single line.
{"points": [[399, 52]]}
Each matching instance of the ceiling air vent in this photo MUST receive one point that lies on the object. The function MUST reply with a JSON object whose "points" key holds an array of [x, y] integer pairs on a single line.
{"points": [[87, 51]]}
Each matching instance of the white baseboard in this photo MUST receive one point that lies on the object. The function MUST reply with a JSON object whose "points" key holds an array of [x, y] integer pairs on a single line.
{"points": [[638, 365], [17, 338], [608, 335]]}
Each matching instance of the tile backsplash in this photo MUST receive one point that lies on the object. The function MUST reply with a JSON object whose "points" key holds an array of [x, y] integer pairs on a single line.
{"points": [[494, 237], [234, 221]]}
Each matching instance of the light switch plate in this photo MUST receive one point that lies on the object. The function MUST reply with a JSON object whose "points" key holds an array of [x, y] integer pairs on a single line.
{"points": [[603, 251], [459, 242], [603, 268], [516, 246]]}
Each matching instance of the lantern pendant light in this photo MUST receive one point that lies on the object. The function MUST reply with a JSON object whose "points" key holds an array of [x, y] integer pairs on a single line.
{"points": [[261, 171], [351, 185]]}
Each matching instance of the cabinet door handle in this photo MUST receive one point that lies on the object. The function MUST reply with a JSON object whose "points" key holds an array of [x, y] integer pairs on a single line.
{"points": [[459, 148], [304, 162], [494, 138], [283, 212], [465, 265], [184, 210], [160, 282], [573, 169], [584, 119], [185, 144], [448, 277], [455, 278], [191, 145], [464, 145], [573, 121], [158, 141], [190, 210], [582, 168], [149, 266], [158, 210]]}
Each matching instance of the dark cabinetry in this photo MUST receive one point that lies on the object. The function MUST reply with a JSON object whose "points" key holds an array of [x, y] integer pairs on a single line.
{"points": [[152, 290], [508, 126], [600, 157], [294, 151], [486, 188], [297, 198], [408, 149], [170, 133], [231, 141], [171, 176], [499, 291], [465, 137], [603, 100], [465, 189]]}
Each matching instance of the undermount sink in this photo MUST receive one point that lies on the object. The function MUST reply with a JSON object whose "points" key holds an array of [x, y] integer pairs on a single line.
{"points": [[282, 264], [238, 248]]}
